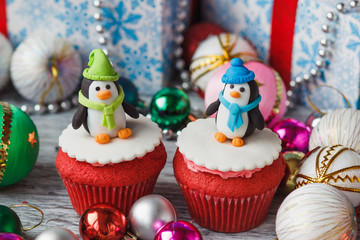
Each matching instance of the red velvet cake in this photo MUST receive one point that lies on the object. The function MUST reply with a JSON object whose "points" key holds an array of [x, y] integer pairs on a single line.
{"points": [[227, 189]]}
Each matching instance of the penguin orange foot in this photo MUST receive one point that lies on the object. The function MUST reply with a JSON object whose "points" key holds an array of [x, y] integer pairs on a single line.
{"points": [[237, 142], [124, 133], [220, 137], [102, 138]]}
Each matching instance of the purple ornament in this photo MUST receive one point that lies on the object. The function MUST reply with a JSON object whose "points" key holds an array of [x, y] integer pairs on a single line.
{"points": [[293, 134], [178, 230], [10, 236]]}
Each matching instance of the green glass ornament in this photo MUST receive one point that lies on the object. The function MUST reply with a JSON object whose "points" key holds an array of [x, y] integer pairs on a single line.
{"points": [[19, 144], [169, 108], [9, 221]]}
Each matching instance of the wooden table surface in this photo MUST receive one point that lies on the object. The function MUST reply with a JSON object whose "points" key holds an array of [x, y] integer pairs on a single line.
{"points": [[43, 187]]}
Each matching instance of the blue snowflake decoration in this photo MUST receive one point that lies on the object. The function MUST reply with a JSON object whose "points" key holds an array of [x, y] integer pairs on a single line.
{"points": [[306, 17], [354, 44], [138, 64], [117, 21], [76, 18], [267, 6], [37, 13], [136, 3], [256, 35], [16, 39]]}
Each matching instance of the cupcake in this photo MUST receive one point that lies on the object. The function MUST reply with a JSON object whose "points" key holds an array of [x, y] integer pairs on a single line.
{"points": [[229, 168], [109, 154]]}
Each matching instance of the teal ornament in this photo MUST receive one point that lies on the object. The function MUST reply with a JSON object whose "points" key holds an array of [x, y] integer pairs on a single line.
{"points": [[131, 93], [170, 108]]}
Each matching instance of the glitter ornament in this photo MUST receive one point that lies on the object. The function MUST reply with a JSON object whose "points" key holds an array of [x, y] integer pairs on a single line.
{"points": [[271, 89], [149, 214], [293, 134], [179, 230], [337, 166], [10, 221], [19, 144], [316, 211], [6, 51], [102, 222], [45, 70], [196, 34], [342, 126], [10, 236], [170, 108], [56, 233], [215, 51]]}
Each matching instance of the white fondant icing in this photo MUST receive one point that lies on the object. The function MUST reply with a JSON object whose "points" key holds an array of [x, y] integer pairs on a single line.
{"points": [[78, 144], [223, 112], [198, 144]]}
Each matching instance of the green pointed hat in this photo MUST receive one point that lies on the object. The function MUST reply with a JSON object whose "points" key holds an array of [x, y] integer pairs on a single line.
{"points": [[100, 67]]}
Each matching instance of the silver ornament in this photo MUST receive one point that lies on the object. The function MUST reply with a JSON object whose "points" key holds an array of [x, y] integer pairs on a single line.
{"points": [[149, 214], [56, 233]]}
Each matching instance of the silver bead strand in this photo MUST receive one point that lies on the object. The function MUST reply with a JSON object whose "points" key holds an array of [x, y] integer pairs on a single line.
{"points": [[323, 53]]}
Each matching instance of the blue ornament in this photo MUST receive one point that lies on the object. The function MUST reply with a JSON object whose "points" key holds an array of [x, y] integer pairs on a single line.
{"points": [[131, 93]]}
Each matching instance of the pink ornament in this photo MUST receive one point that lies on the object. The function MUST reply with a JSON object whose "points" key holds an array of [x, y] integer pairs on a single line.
{"points": [[178, 230], [10, 236], [293, 134], [271, 88]]}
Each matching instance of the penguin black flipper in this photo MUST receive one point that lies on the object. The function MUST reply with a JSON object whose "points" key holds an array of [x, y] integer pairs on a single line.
{"points": [[212, 108], [80, 118], [256, 120], [130, 110]]}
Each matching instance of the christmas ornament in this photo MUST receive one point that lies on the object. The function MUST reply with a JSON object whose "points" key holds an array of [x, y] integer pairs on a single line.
{"points": [[337, 166], [196, 34], [5, 53], [342, 126], [131, 93], [322, 60], [292, 159], [19, 144], [45, 70], [10, 236], [215, 51], [293, 134], [271, 88], [56, 233], [169, 108], [313, 120], [316, 211], [149, 214], [10, 221], [179, 230], [102, 222]]}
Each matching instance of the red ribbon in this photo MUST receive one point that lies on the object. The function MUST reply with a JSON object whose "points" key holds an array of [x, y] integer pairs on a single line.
{"points": [[282, 34], [3, 22]]}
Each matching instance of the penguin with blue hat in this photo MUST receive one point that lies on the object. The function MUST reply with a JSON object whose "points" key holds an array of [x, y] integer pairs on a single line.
{"points": [[238, 105]]}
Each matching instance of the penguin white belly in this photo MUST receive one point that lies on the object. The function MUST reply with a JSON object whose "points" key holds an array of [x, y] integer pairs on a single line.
{"points": [[94, 121], [221, 123]]}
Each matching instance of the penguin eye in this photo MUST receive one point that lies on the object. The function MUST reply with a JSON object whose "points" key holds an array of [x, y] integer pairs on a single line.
{"points": [[108, 86], [242, 89], [231, 86], [97, 88]]}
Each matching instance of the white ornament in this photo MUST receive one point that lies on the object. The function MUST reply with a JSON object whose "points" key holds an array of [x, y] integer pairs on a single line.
{"points": [[341, 126], [45, 70], [337, 166], [317, 212], [6, 51], [56, 233], [215, 51]]}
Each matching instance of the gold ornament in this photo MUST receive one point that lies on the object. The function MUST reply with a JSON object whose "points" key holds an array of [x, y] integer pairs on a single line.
{"points": [[292, 159]]}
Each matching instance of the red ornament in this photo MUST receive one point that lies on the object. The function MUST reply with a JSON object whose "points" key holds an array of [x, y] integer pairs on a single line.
{"points": [[196, 34], [102, 222]]}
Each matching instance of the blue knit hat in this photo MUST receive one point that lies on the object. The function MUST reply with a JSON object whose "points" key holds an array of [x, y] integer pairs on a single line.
{"points": [[237, 73]]}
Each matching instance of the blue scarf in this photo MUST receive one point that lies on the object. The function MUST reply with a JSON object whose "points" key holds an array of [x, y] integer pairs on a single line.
{"points": [[235, 119]]}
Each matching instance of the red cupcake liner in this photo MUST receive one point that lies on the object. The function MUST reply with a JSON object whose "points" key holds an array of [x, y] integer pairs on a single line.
{"points": [[83, 196], [227, 214]]}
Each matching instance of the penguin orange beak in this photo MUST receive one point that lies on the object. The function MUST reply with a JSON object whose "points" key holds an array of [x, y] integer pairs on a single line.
{"points": [[105, 94], [235, 94]]}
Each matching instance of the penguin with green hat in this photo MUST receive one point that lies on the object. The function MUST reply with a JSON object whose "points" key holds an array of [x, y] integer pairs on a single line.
{"points": [[102, 107]]}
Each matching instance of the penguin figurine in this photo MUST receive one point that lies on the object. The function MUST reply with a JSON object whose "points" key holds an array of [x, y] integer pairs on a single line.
{"points": [[237, 106], [101, 101]]}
